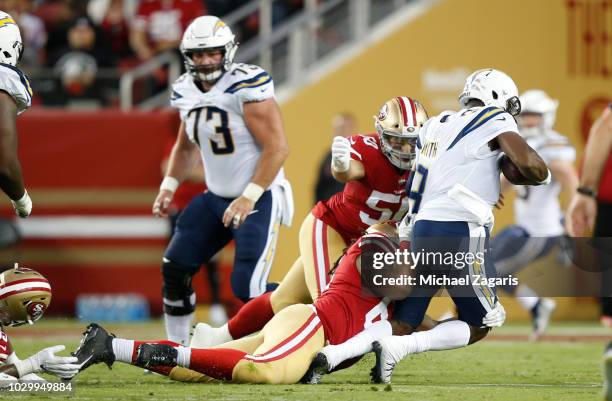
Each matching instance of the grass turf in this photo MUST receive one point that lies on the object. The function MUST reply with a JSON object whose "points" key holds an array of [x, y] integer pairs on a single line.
{"points": [[490, 370]]}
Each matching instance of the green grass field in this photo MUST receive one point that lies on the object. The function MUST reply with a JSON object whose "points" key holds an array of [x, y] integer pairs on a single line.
{"points": [[565, 367]]}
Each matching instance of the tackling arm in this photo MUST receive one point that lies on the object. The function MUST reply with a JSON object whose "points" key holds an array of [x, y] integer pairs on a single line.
{"points": [[529, 163]]}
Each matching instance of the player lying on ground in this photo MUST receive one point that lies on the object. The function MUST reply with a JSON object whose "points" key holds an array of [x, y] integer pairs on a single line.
{"points": [[454, 188], [24, 296], [283, 350], [375, 170]]}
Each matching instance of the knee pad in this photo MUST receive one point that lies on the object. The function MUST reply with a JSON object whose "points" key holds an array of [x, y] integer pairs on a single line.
{"points": [[178, 294]]}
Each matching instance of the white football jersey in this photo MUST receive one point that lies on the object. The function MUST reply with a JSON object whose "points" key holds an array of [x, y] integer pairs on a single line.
{"points": [[537, 208], [16, 84], [453, 149], [214, 120]]}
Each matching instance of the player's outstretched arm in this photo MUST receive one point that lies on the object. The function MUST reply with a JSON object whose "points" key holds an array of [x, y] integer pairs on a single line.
{"points": [[263, 119], [179, 166], [345, 169], [529, 163], [11, 180], [582, 210]]}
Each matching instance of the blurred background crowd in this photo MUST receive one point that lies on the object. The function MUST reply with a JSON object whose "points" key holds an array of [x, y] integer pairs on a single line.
{"points": [[75, 50]]}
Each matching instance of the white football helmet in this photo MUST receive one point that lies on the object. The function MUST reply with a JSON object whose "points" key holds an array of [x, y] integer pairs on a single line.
{"points": [[11, 46], [535, 101], [493, 88], [208, 32], [398, 123]]}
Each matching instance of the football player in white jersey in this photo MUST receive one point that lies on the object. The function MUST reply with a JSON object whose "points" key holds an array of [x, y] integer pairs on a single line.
{"points": [[538, 218], [230, 117], [455, 186], [15, 98]]}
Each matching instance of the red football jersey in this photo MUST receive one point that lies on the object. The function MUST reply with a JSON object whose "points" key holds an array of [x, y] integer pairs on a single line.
{"points": [[344, 308], [5, 347], [380, 195]]}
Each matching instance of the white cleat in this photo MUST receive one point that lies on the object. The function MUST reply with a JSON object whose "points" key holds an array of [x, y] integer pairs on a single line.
{"points": [[389, 351], [541, 317], [607, 365], [206, 336], [217, 316]]}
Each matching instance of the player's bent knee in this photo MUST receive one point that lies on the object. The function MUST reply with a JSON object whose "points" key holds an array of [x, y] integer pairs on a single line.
{"points": [[178, 294]]}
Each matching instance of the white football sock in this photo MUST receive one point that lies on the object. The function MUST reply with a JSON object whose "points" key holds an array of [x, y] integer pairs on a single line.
{"points": [[177, 328], [183, 357], [526, 297], [123, 349], [358, 345], [447, 335]]}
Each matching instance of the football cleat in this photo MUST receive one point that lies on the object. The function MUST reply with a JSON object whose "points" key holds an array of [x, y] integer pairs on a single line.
{"points": [[95, 347], [151, 355], [318, 367], [607, 396], [388, 353], [541, 317]]}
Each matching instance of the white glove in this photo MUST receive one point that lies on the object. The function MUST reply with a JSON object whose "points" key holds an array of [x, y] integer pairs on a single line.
{"points": [[341, 154], [23, 206], [43, 360], [62, 370], [32, 377], [496, 316]]}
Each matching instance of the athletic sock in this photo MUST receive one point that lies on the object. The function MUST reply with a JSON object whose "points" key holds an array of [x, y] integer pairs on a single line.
{"points": [[447, 335], [252, 317], [358, 345], [177, 327], [217, 363], [526, 297], [123, 349]]}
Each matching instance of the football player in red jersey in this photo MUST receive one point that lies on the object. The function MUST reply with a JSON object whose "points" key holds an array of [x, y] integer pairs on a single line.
{"points": [[25, 295], [375, 168], [281, 353]]}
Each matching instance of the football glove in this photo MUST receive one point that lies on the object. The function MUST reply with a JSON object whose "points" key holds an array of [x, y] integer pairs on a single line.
{"points": [[341, 154], [23, 206], [496, 316]]}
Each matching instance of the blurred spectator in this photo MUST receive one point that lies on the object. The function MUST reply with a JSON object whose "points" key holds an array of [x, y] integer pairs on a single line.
{"points": [[343, 124], [33, 31], [591, 206], [77, 64], [159, 25], [59, 16], [114, 18]]}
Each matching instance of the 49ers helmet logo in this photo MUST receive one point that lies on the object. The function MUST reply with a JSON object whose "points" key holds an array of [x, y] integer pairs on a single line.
{"points": [[382, 114], [36, 310]]}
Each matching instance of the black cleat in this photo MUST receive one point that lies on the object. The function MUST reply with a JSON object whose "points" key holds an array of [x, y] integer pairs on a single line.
{"points": [[151, 355], [375, 373], [318, 367], [96, 347]]}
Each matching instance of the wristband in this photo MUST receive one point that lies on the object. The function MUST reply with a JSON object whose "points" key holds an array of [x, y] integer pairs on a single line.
{"points": [[587, 191], [169, 184], [25, 367], [253, 191], [547, 180]]}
